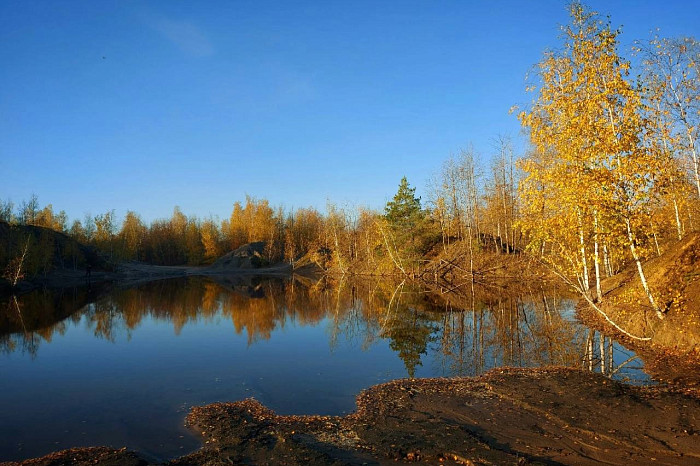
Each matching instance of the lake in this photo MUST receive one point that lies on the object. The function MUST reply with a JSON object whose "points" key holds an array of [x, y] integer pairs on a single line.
{"points": [[122, 366]]}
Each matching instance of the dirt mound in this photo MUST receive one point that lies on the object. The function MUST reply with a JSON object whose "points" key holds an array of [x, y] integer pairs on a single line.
{"points": [[512, 416], [674, 278], [102, 456], [248, 256]]}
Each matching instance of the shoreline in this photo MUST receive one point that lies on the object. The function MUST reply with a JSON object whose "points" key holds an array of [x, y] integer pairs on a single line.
{"points": [[133, 273], [548, 415]]}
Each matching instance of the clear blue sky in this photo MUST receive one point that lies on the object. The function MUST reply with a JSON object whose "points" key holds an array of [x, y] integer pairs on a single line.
{"points": [[147, 105]]}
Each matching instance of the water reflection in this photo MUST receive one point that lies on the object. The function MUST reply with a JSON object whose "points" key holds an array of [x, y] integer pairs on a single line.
{"points": [[28, 320], [123, 366], [455, 334]]}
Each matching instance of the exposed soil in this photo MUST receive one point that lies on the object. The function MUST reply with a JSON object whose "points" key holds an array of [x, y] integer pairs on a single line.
{"points": [[511, 416], [102, 456], [674, 279], [673, 352]]}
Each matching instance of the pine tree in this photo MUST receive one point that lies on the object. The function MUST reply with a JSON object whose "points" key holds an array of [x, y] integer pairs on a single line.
{"points": [[406, 226], [404, 212]]}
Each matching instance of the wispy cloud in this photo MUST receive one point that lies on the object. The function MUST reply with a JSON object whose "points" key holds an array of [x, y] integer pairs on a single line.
{"points": [[185, 35]]}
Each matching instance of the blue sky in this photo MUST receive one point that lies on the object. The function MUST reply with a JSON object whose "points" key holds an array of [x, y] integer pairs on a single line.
{"points": [[147, 105]]}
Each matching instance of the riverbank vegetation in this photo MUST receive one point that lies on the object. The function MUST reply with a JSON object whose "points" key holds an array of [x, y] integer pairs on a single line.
{"points": [[605, 200], [609, 181]]}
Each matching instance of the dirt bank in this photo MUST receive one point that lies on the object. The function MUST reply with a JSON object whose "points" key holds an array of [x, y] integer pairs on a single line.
{"points": [[674, 279], [670, 347], [537, 416]]}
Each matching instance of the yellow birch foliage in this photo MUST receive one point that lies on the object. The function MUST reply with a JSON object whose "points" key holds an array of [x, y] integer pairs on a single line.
{"points": [[590, 177]]}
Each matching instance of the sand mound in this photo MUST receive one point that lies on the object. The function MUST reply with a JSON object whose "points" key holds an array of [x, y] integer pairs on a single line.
{"points": [[674, 279], [248, 256]]}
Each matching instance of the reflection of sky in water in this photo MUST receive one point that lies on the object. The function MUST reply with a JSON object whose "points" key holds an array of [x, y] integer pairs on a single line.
{"points": [[531, 344], [135, 390], [626, 366]]}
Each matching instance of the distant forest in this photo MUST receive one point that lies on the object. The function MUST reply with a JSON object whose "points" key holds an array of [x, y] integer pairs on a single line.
{"points": [[463, 203]]}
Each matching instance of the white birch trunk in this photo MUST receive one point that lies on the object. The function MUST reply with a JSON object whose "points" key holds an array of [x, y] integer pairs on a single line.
{"points": [[596, 258], [584, 262], [606, 261], [679, 228], [694, 155], [642, 277]]}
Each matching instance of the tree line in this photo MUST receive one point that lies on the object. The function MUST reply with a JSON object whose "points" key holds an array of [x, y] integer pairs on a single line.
{"points": [[399, 238], [611, 178]]}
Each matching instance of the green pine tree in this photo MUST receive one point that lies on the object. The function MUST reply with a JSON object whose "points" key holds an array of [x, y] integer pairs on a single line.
{"points": [[407, 222], [404, 212]]}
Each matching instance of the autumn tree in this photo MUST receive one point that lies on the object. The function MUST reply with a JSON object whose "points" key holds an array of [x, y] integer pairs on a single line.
{"points": [[105, 231], [77, 231], [29, 210], [237, 227], [131, 236], [671, 76], [334, 235], [194, 247], [455, 197], [257, 221], [88, 228], [591, 177], [211, 240], [501, 197], [302, 230], [48, 219], [369, 249], [6, 209]]}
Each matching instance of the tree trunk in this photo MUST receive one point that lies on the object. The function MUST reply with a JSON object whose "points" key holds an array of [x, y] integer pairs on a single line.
{"points": [[656, 243], [679, 228], [606, 261], [642, 277], [596, 257], [397, 262], [584, 261], [694, 155]]}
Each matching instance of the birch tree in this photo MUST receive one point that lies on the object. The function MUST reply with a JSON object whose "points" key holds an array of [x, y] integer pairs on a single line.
{"points": [[671, 73], [586, 125]]}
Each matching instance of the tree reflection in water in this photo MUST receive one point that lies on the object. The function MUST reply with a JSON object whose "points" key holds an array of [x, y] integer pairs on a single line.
{"points": [[458, 334]]}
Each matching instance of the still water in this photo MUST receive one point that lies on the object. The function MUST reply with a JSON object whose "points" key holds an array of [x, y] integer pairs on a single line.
{"points": [[122, 367]]}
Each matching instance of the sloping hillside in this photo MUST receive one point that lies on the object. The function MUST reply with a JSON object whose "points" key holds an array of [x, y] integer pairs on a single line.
{"points": [[674, 278], [46, 251]]}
